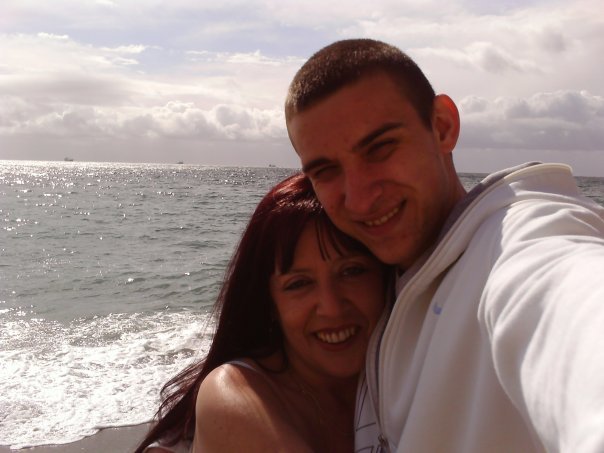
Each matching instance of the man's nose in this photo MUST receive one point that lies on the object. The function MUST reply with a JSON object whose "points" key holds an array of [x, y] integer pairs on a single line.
{"points": [[361, 190]]}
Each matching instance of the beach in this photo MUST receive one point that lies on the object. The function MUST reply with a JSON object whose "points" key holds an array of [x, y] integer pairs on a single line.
{"points": [[113, 440]]}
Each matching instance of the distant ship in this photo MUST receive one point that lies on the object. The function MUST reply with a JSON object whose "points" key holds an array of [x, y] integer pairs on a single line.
{"points": [[272, 166], [68, 159]]}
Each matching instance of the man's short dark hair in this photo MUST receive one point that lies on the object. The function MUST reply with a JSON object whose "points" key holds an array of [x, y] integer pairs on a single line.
{"points": [[345, 62]]}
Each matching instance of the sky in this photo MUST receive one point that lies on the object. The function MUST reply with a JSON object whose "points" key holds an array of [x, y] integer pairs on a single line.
{"points": [[204, 82]]}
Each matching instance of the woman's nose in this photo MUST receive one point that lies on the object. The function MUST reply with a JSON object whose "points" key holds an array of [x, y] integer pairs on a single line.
{"points": [[331, 301]]}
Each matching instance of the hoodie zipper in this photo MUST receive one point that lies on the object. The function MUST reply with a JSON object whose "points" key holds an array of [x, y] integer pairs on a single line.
{"points": [[373, 358]]}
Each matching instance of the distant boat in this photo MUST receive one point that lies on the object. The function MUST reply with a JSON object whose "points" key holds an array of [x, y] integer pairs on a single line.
{"points": [[68, 159], [272, 166], [180, 162]]}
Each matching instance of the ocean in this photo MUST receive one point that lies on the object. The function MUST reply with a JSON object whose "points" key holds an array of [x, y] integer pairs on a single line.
{"points": [[108, 273]]}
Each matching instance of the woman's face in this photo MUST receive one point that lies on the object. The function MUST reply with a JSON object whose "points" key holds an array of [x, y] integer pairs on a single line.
{"points": [[328, 307]]}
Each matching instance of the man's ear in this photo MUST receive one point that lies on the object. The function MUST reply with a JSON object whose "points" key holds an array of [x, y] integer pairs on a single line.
{"points": [[445, 123]]}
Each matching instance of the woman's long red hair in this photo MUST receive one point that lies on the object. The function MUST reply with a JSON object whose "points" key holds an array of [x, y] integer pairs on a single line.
{"points": [[246, 325]]}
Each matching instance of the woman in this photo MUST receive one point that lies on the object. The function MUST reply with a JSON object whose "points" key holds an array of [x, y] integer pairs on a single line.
{"points": [[296, 311]]}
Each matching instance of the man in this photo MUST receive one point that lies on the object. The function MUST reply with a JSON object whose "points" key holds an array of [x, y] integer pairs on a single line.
{"points": [[496, 340]]}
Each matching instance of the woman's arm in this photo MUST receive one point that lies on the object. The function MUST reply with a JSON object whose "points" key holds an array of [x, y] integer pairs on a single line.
{"points": [[239, 410]]}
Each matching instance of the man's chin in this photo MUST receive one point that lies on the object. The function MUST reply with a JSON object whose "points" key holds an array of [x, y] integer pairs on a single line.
{"points": [[384, 254], [398, 254]]}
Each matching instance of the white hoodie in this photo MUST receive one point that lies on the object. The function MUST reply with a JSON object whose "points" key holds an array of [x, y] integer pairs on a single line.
{"points": [[496, 340]]}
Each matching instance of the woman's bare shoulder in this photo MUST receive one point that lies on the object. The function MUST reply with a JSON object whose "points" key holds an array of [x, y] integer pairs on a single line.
{"points": [[233, 390], [239, 409]]}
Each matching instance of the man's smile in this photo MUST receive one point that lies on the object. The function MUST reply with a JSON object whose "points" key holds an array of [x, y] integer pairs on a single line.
{"points": [[383, 219]]}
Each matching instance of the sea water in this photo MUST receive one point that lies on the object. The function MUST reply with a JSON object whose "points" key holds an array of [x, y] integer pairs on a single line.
{"points": [[108, 273]]}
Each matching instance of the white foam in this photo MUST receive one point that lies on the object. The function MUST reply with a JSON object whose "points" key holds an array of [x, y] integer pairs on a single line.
{"points": [[60, 384]]}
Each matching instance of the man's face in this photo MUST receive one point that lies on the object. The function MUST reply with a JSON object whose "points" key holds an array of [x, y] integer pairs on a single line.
{"points": [[381, 174]]}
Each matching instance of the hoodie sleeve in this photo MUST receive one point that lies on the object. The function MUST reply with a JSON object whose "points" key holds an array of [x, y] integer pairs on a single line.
{"points": [[543, 309]]}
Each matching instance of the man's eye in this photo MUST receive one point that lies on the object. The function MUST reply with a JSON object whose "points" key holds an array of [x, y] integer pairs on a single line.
{"points": [[381, 150], [324, 173]]}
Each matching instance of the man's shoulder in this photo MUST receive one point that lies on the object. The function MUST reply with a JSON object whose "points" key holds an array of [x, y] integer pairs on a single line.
{"points": [[536, 183]]}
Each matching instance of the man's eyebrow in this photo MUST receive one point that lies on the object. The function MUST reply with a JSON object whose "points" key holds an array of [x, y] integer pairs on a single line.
{"points": [[371, 136], [314, 164], [363, 142]]}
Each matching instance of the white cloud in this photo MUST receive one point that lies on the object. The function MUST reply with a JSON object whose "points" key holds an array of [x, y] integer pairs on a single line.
{"points": [[483, 56], [51, 36], [563, 120], [540, 46], [525, 73], [131, 49], [175, 119], [91, 91], [222, 122], [45, 53], [254, 58]]}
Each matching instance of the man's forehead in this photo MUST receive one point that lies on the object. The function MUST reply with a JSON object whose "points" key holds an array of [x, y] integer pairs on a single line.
{"points": [[351, 119], [309, 162]]}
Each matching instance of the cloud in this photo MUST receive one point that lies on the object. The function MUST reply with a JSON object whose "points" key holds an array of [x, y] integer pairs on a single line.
{"points": [[492, 59], [254, 58], [483, 56], [44, 53], [53, 85], [173, 120], [221, 122], [562, 120], [525, 73], [51, 36], [553, 40], [524, 46]]}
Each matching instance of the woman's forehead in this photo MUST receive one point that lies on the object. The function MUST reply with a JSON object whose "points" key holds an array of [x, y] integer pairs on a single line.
{"points": [[315, 243]]}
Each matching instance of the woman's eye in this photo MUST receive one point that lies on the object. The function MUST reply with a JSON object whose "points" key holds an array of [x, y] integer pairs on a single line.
{"points": [[296, 284], [352, 271]]}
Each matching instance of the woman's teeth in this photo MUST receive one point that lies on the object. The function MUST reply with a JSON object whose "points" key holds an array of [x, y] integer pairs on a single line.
{"points": [[337, 337]]}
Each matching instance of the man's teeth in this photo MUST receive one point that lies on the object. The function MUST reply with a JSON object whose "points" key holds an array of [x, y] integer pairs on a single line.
{"points": [[382, 220], [337, 337]]}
